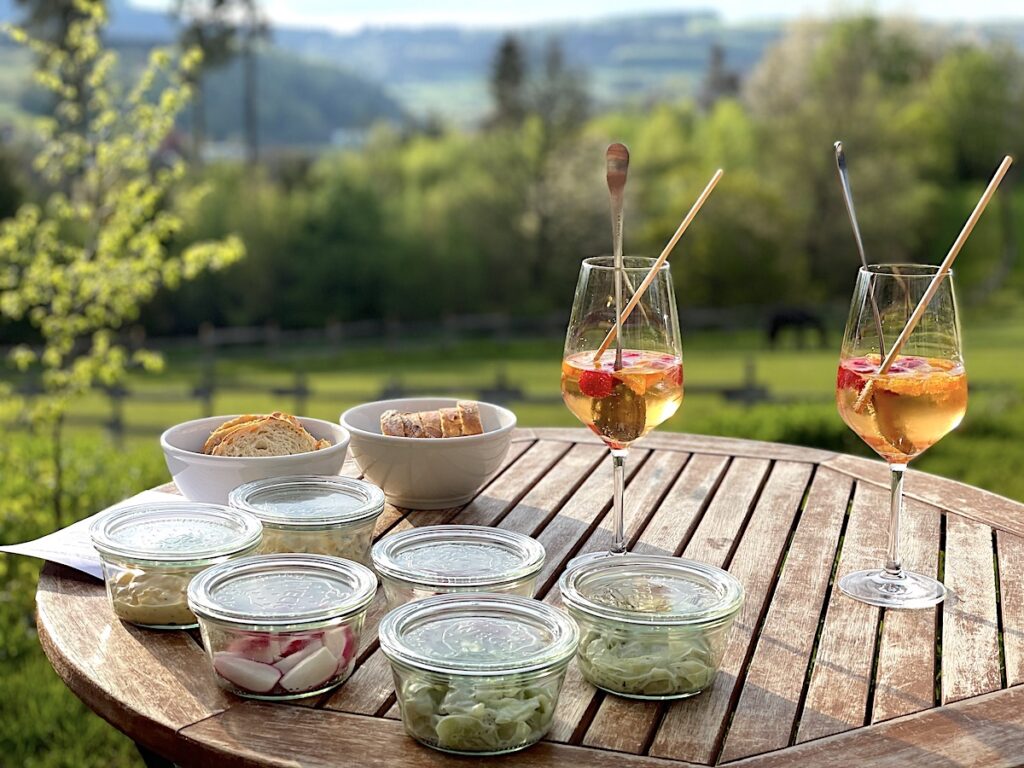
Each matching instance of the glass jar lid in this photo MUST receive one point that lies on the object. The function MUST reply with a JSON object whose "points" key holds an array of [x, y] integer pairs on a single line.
{"points": [[302, 501], [279, 590], [478, 634], [650, 589], [458, 556], [174, 532]]}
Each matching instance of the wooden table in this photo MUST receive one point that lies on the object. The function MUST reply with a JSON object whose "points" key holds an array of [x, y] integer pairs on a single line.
{"points": [[810, 678]]}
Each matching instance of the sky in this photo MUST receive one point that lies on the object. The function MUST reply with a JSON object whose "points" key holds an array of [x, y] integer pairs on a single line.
{"points": [[351, 15]]}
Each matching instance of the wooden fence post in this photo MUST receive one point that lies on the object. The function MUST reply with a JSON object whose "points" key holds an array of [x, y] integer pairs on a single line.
{"points": [[333, 333], [116, 395], [208, 364], [301, 392]]}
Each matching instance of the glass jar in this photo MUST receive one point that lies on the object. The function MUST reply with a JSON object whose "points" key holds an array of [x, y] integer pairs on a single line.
{"points": [[652, 627], [282, 627], [478, 674], [441, 559], [150, 552], [314, 514]]}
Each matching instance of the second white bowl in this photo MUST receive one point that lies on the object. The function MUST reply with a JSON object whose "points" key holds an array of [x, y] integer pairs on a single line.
{"points": [[423, 473]]}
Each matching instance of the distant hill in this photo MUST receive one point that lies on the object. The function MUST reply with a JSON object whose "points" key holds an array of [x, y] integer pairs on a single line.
{"points": [[442, 71], [300, 101], [631, 58]]}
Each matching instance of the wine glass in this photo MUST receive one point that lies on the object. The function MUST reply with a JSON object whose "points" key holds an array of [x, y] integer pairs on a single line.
{"points": [[637, 382], [903, 412]]}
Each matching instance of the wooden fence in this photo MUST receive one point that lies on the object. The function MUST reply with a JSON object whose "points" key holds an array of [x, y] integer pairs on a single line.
{"points": [[214, 344]]}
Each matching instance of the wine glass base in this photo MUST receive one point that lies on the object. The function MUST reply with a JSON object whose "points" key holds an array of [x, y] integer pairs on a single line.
{"points": [[879, 587]]}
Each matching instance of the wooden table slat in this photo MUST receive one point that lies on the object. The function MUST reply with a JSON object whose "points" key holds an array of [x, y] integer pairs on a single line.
{"points": [[984, 731], [948, 495], [691, 443], [1011, 588], [970, 642], [693, 728], [905, 676], [152, 682], [546, 497], [837, 695], [767, 708], [288, 737], [577, 518]]}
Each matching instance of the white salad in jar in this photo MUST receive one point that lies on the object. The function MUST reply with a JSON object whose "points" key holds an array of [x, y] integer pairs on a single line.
{"points": [[313, 514]]}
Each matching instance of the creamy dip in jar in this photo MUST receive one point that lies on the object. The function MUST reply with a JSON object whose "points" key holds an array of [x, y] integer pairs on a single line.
{"points": [[150, 553]]}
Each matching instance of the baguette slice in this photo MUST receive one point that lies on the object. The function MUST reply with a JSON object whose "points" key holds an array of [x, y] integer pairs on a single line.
{"points": [[451, 422], [470, 411], [391, 423], [265, 437], [431, 423], [413, 425]]}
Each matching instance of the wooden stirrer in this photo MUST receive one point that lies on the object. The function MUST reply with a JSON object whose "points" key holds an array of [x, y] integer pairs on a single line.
{"points": [[933, 286], [638, 294]]}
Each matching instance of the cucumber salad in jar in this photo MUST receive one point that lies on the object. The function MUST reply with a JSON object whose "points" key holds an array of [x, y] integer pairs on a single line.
{"points": [[478, 673], [652, 627]]}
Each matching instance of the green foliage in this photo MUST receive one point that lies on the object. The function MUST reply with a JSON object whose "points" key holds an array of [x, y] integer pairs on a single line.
{"points": [[43, 724], [418, 226], [79, 264]]}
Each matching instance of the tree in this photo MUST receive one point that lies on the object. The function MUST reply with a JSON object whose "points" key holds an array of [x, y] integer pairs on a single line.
{"points": [[78, 265], [857, 80], [559, 94], [215, 27], [255, 30], [977, 95], [719, 81], [50, 21], [508, 83]]}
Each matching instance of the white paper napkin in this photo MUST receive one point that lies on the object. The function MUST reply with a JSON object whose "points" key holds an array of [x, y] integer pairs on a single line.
{"points": [[71, 546]]}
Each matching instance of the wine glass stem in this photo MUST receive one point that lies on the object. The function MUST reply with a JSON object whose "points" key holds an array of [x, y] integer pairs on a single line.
{"points": [[893, 565], [618, 516]]}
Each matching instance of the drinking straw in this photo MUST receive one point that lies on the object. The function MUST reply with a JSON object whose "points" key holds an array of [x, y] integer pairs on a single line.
{"points": [[638, 294], [933, 286]]}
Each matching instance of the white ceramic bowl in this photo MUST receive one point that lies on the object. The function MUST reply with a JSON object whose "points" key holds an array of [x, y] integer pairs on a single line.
{"points": [[212, 478], [423, 473]]}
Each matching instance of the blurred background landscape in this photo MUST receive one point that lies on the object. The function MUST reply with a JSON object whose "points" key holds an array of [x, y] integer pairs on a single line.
{"points": [[415, 192]]}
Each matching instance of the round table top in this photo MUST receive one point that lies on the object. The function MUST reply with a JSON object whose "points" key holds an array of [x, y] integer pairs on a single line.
{"points": [[810, 677]]}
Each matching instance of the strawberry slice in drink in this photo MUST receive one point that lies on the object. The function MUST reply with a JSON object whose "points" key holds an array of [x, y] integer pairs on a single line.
{"points": [[909, 364], [596, 384], [853, 373]]}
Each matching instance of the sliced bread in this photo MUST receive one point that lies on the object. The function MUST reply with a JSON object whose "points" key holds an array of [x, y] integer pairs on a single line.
{"points": [[265, 437]]}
